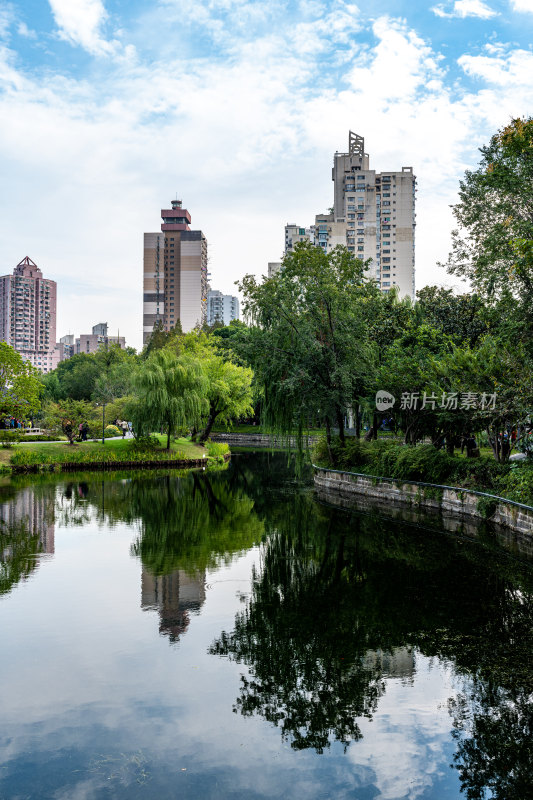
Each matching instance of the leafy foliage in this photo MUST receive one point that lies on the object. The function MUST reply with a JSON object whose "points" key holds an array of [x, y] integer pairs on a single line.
{"points": [[20, 387], [170, 394]]}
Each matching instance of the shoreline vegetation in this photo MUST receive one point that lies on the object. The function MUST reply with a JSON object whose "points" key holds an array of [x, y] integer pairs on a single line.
{"points": [[114, 454], [424, 463]]}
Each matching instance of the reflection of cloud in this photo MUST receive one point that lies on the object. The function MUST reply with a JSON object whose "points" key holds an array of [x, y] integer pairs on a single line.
{"points": [[407, 743]]}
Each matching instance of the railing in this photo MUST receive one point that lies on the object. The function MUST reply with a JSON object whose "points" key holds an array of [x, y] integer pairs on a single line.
{"points": [[382, 479]]}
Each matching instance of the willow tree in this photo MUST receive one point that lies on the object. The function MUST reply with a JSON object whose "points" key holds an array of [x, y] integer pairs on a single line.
{"points": [[308, 342], [170, 394], [229, 385]]}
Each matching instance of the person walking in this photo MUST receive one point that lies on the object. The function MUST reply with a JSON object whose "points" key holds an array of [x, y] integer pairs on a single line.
{"points": [[124, 426]]}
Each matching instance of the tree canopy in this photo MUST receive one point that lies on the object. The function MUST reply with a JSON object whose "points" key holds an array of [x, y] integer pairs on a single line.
{"points": [[20, 385]]}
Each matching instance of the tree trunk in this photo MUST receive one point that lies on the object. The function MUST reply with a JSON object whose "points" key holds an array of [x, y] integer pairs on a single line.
{"points": [[328, 439], [168, 436], [375, 425], [340, 423], [204, 436], [358, 422], [213, 414]]}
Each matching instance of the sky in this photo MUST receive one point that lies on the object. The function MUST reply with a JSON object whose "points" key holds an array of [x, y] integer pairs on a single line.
{"points": [[111, 108]]}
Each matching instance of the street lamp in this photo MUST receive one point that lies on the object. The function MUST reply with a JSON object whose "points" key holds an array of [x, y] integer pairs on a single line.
{"points": [[103, 421]]}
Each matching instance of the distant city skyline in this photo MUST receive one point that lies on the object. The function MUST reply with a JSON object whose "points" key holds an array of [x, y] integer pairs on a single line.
{"points": [[237, 107]]}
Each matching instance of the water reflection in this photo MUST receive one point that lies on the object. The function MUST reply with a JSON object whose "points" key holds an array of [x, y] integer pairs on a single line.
{"points": [[343, 608], [339, 604], [26, 532], [174, 597]]}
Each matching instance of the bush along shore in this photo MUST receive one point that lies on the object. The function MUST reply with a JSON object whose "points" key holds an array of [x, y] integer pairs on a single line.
{"points": [[116, 454], [424, 463]]}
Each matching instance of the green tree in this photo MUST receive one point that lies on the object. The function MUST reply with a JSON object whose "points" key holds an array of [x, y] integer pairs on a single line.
{"points": [[229, 391], [308, 342], [170, 394], [20, 386], [66, 416], [493, 212], [464, 318]]}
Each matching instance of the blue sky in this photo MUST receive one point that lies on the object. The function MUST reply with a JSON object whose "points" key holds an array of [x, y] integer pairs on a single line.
{"points": [[109, 108]]}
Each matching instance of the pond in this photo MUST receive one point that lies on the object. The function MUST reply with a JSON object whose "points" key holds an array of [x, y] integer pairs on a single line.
{"points": [[225, 635]]}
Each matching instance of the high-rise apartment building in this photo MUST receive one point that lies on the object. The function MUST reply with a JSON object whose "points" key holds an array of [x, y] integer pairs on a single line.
{"points": [[378, 210], [221, 307], [28, 308], [175, 273], [373, 215]]}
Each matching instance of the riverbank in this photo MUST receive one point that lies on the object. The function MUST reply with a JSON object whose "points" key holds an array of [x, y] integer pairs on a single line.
{"points": [[338, 486], [424, 463], [114, 454]]}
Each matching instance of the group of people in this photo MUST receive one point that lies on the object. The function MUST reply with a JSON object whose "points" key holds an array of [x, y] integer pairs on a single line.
{"points": [[123, 426], [7, 423], [83, 430]]}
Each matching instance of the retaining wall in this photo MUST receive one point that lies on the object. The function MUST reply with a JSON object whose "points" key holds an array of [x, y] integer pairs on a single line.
{"points": [[104, 466], [258, 439], [449, 499]]}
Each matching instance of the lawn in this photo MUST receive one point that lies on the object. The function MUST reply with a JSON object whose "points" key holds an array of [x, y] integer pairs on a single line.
{"points": [[61, 451]]}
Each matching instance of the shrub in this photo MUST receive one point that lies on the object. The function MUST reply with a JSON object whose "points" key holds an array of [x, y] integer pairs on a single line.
{"points": [[216, 449], [423, 463], [8, 437], [111, 430], [517, 485]]}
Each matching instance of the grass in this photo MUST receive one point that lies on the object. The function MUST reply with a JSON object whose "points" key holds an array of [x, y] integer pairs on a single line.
{"points": [[112, 450]]}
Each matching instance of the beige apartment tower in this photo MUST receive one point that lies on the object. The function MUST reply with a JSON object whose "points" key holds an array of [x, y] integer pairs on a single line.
{"points": [[373, 215], [377, 211], [175, 274]]}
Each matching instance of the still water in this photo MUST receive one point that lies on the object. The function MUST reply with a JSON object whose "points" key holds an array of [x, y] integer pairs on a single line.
{"points": [[224, 635]]}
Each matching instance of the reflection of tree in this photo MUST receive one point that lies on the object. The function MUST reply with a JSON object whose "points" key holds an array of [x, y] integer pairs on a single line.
{"points": [[18, 550], [301, 635], [494, 720], [333, 590], [26, 530], [193, 524]]}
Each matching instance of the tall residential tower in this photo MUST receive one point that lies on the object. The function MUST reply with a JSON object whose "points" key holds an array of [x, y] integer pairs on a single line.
{"points": [[175, 273], [373, 215], [28, 307]]}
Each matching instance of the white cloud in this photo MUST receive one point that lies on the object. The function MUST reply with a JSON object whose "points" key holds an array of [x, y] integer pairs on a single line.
{"points": [[247, 142], [467, 8], [80, 22], [503, 69], [522, 5], [23, 30]]}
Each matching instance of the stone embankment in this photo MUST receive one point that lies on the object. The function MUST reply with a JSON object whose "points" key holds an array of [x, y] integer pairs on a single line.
{"points": [[258, 440], [339, 487]]}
